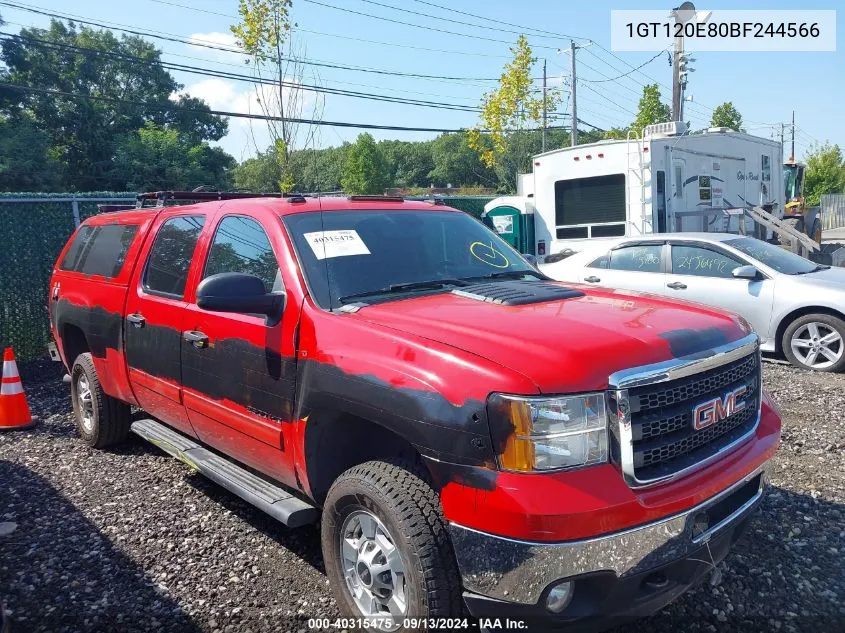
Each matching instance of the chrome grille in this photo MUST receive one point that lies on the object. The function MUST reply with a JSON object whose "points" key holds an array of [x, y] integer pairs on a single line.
{"points": [[656, 439]]}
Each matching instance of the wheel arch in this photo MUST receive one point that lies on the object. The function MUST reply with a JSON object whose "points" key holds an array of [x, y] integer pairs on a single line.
{"points": [[788, 318], [335, 441], [74, 343]]}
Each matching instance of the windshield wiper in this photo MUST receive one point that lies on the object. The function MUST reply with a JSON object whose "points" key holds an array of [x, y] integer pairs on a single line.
{"points": [[508, 274], [433, 284], [812, 270]]}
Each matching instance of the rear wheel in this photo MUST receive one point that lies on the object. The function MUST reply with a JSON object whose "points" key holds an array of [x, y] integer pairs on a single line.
{"points": [[101, 419], [816, 341], [387, 552]]}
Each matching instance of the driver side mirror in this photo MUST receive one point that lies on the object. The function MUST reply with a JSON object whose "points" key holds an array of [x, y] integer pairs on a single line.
{"points": [[241, 293], [747, 272]]}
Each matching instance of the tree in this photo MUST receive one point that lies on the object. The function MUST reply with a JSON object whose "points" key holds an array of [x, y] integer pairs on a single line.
{"points": [[726, 115], [365, 170], [651, 109], [825, 172], [408, 163], [155, 158], [25, 162], [261, 173], [264, 34], [457, 164], [116, 77], [509, 109]]}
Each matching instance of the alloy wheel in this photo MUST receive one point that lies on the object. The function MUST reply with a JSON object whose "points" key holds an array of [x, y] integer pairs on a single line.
{"points": [[373, 569], [817, 345], [84, 398]]}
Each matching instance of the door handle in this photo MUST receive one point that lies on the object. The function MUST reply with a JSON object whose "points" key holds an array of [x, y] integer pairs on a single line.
{"points": [[196, 338], [677, 285], [136, 319], [592, 279]]}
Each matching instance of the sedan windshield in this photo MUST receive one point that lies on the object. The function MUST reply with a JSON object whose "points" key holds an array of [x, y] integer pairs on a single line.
{"points": [[371, 256], [773, 256]]}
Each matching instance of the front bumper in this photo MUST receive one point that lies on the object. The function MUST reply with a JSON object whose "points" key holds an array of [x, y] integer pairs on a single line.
{"points": [[517, 574]]}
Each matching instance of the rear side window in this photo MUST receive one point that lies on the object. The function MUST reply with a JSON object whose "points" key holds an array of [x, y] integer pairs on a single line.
{"points": [[644, 259], [171, 254], [241, 246], [100, 250]]}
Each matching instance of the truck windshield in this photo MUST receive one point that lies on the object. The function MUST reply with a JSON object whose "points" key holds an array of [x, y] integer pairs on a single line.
{"points": [[373, 256], [773, 256], [790, 181]]}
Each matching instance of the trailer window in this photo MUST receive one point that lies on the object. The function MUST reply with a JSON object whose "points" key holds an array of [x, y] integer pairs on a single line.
{"points": [[594, 200], [766, 168]]}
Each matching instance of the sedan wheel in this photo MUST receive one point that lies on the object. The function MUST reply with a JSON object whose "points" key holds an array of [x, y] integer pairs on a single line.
{"points": [[816, 342]]}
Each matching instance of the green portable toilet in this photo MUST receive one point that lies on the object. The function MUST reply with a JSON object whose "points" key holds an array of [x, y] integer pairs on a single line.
{"points": [[512, 217]]}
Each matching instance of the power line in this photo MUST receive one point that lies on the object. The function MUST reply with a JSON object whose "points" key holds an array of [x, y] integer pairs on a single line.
{"points": [[488, 19], [337, 35], [161, 35], [418, 26], [170, 107], [246, 78], [646, 63]]}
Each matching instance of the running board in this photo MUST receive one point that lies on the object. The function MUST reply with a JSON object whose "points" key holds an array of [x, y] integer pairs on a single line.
{"points": [[264, 495]]}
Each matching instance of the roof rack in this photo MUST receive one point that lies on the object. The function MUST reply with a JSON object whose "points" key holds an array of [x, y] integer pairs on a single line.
{"points": [[370, 198], [163, 197]]}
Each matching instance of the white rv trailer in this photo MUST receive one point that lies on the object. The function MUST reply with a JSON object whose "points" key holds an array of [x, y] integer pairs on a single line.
{"points": [[666, 181]]}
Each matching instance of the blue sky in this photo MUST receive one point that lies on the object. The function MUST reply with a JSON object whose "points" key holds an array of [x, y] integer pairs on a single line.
{"points": [[765, 87]]}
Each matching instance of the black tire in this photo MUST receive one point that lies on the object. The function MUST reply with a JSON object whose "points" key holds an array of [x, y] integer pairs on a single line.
{"points": [[816, 232], [398, 494], [109, 419], [828, 322]]}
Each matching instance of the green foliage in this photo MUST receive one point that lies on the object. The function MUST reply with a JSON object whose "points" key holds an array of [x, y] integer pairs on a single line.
{"points": [[156, 158], [726, 115], [456, 163], [25, 164], [825, 172], [408, 163], [83, 135], [509, 108], [616, 134], [651, 109], [365, 169], [264, 26]]}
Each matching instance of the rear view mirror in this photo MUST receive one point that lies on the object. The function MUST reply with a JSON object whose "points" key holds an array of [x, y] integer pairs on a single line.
{"points": [[747, 272], [241, 293]]}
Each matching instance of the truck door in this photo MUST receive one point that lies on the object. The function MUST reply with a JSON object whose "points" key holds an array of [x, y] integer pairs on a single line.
{"points": [[238, 370], [155, 309]]}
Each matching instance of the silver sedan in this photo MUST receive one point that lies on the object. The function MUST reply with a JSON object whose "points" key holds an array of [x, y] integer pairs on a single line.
{"points": [[796, 306]]}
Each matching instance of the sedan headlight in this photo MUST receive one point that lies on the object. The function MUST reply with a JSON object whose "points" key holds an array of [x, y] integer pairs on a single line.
{"points": [[541, 434]]}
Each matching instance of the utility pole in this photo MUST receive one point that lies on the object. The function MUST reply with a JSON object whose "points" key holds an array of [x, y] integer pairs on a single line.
{"points": [[574, 125], [792, 152], [677, 56], [545, 106], [781, 136]]}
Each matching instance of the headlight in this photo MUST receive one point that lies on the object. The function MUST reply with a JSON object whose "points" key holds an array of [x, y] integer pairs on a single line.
{"points": [[539, 434]]}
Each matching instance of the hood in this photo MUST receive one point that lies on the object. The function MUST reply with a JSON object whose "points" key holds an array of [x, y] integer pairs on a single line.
{"points": [[564, 345], [831, 279]]}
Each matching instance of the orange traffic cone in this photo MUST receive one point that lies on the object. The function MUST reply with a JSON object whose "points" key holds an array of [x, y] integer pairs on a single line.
{"points": [[14, 411]]}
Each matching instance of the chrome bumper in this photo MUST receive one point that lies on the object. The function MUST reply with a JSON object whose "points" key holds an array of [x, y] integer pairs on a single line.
{"points": [[519, 571]]}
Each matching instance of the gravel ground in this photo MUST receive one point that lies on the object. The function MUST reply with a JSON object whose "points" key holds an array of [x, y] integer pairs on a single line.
{"points": [[133, 540]]}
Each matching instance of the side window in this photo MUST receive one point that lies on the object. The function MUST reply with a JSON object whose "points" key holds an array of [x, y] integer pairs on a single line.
{"points": [[77, 247], [171, 254], [704, 189], [241, 246], [766, 168], [599, 262], [100, 250], [702, 262], [644, 259], [679, 181]]}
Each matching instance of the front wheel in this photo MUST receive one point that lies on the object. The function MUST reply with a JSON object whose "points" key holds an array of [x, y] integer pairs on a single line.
{"points": [[388, 555], [816, 341]]}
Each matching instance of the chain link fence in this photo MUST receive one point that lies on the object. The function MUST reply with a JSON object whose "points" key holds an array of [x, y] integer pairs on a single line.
{"points": [[33, 230]]}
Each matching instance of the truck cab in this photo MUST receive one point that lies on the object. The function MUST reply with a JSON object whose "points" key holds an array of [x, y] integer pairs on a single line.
{"points": [[468, 434]]}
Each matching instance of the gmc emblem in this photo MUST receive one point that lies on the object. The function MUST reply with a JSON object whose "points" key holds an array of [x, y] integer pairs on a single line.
{"points": [[718, 409]]}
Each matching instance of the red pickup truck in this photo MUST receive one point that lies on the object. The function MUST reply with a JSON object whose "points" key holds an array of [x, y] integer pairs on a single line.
{"points": [[472, 436]]}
